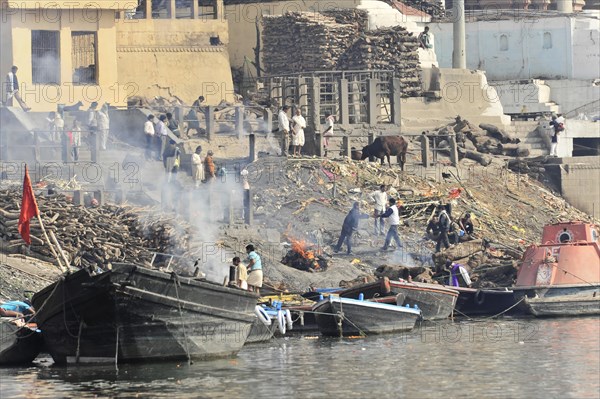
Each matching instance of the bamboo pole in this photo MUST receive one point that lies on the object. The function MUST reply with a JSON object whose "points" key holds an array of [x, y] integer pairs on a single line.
{"points": [[60, 265], [60, 250]]}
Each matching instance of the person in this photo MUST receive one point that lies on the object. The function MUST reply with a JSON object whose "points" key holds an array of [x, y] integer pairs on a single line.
{"points": [[197, 105], [149, 132], [380, 198], [255, 273], [242, 273], [13, 89], [103, 123], [51, 125], [558, 123], [171, 159], [284, 129], [432, 230], [466, 223], [444, 226], [92, 121], [173, 125], [59, 127], [197, 167], [459, 276], [328, 132], [299, 124], [393, 213], [161, 132], [349, 227], [19, 309], [425, 39], [209, 166], [76, 139]]}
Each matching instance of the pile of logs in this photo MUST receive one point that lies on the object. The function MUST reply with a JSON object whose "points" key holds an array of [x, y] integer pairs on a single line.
{"points": [[307, 41], [391, 48], [92, 237], [476, 142], [304, 42], [533, 167]]}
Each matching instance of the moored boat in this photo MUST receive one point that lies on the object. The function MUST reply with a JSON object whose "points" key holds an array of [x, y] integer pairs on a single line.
{"points": [[337, 316], [435, 301], [20, 343], [483, 302], [133, 313], [557, 276], [569, 305]]}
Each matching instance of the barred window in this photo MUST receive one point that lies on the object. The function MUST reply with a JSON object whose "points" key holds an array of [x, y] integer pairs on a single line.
{"points": [[84, 57], [45, 57]]}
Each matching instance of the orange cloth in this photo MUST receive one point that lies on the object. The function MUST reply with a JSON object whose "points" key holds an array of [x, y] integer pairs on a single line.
{"points": [[29, 208], [210, 166]]}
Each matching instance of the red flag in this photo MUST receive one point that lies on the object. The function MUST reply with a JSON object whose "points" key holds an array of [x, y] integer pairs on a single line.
{"points": [[29, 208]]}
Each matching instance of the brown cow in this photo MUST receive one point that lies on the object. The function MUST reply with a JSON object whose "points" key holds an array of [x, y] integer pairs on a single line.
{"points": [[386, 146]]}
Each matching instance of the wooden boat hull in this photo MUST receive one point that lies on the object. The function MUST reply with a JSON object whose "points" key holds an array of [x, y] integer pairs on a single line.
{"points": [[435, 301], [483, 302], [137, 314], [362, 317], [570, 305], [553, 296], [18, 345], [259, 332]]}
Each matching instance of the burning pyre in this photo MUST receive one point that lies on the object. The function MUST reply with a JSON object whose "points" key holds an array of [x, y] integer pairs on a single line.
{"points": [[304, 256]]}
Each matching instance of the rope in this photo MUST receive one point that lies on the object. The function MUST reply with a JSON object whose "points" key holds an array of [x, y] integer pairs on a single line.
{"points": [[187, 350]]}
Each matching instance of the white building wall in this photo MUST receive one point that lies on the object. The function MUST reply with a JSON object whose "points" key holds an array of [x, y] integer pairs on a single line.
{"points": [[517, 49]]}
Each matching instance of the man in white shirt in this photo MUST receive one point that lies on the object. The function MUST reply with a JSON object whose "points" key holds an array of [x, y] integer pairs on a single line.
{"points": [[161, 132], [328, 131], [394, 215], [149, 133], [103, 123], [12, 89], [380, 198], [284, 129], [197, 166], [299, 123]]}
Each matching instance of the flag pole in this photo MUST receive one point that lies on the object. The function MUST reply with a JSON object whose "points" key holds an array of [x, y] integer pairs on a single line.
{"points": [[60, 265]]}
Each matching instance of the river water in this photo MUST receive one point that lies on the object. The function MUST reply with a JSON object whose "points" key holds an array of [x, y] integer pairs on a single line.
{"points": [[507, 358]]}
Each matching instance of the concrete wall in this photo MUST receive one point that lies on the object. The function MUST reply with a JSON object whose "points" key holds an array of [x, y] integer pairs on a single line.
{"points": [[17, 24], [571, 94], [518, 48], [173, 57], [580, 185]]}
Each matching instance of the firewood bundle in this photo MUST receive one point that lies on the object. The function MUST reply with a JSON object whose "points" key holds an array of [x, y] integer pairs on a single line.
{"points": [[299, 42], [387, 49], [93, 237]]}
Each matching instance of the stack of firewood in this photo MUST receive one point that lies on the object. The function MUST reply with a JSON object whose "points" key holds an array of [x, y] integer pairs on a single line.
{"points": [[299, 42], [387, 49], [93, 237], [304, 42]]}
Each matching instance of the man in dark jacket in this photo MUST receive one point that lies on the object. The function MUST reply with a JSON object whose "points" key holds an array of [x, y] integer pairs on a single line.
{"points": [[444, 226], [349, 227]]}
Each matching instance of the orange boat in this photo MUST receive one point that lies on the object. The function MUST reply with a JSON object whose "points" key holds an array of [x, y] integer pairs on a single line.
{"points": [[561, 277]]}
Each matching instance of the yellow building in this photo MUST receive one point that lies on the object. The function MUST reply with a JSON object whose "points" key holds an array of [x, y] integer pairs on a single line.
{"points": [[69, 51]]}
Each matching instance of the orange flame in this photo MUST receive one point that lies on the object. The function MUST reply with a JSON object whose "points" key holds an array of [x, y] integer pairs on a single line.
{"points": [[301, 248]]}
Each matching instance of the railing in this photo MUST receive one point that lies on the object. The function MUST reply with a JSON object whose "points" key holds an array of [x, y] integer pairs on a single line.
{"points": [[593, 106]]}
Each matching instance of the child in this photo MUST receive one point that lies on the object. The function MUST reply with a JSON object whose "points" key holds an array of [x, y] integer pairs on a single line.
{"points": [[242, 273]]}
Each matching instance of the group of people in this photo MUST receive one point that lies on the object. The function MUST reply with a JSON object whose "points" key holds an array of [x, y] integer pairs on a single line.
{"points": [[157, 135], [292, 130], [440, 227], [203, 168], [249, 276]]}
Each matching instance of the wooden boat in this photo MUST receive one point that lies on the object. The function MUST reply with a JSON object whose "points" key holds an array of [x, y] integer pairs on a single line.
{"points": [[569, 305], [483, 302], [566, 264], [435, 301], [133, 313], [260, 332], [19, 344], [303, 319], [337, 316]]}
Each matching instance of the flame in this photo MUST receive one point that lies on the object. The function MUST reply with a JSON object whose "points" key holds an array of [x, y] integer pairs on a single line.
{"points": [[301, 248]]}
